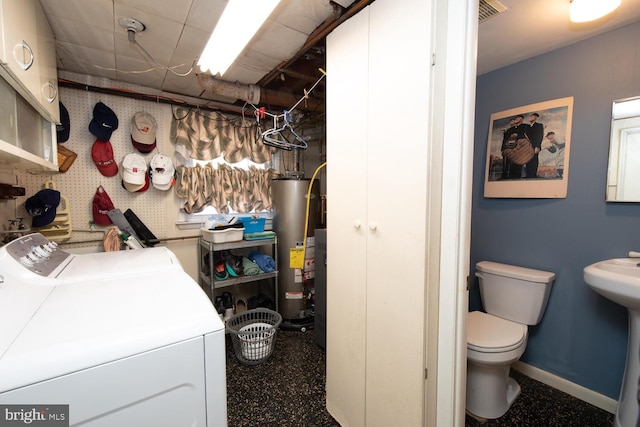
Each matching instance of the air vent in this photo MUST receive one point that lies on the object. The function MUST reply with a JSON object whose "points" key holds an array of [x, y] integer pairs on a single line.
{"points": [[489, 9]]}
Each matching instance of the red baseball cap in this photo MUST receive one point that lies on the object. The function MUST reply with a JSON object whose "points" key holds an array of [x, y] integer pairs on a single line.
{"points": [[102, 204], [102, 155]]}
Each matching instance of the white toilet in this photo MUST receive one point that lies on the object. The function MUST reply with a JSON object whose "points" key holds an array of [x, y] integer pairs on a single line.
{"points": [[513, 298]]}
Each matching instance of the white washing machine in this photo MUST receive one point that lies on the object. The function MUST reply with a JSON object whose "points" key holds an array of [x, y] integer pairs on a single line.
{"points": [[124, 338]]}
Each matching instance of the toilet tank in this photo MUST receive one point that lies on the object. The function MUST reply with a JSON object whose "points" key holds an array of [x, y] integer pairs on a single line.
{"points": [[515, 293]]}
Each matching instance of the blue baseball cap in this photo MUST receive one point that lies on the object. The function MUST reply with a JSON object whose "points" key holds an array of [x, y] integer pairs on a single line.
{"points": [[42, 207], [104, 122]]}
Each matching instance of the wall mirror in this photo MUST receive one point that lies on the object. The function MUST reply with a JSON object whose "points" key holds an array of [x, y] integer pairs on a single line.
{"points": [[623, 176]]}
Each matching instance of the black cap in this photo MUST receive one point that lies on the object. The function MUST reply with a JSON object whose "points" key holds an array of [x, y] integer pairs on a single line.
{"points": [[104, 122], [62, 130]]}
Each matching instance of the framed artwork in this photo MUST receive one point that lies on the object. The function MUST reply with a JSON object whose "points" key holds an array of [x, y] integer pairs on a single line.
{"points": [[528, 151]]}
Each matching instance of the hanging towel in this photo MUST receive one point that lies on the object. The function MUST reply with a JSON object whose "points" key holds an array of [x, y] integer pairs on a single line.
{"points": [[250, 268], [264, 261]]}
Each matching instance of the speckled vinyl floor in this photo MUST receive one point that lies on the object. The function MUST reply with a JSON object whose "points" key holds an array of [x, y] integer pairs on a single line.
{"points": [[287, 390], [540, 405]]}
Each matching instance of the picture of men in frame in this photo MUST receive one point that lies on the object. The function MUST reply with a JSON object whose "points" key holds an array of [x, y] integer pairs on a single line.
{"points": [[528, 151]]}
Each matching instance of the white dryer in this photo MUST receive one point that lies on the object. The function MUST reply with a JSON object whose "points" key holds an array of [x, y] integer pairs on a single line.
{"points": [[124, 338]]}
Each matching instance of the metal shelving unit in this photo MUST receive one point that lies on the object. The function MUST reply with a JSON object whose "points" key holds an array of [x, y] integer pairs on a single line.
{"points": [[208, 281]]}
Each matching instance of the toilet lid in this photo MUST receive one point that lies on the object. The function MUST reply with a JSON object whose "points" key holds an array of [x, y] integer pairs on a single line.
{"points": [[492, 334]]}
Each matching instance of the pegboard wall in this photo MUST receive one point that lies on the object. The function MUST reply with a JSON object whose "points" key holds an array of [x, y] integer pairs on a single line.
{"points": [[157, 209]]}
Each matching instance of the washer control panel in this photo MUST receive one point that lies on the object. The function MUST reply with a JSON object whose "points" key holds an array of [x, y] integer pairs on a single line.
{"points": [[37, 254]]}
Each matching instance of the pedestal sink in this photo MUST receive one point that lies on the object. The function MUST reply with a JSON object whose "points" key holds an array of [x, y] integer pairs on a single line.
{"points": [[619, 280]]}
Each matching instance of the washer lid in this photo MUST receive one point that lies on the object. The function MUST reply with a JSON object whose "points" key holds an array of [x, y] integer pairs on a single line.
{"points": [[492, 334], [85, 323]]}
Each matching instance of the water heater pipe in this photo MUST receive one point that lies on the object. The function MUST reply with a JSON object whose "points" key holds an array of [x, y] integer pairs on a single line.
{"points": [[306, 218], [295, 161]]}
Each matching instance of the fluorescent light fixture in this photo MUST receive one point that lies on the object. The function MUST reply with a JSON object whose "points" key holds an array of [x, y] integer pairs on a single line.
{"points": [[590, 10], [239, 22]]}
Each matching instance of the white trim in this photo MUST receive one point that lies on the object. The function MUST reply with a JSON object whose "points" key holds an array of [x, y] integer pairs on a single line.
{"points": [[452, 114], [596, 399]]}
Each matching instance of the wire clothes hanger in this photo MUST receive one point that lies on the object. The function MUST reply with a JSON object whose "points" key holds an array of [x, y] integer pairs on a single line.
{"points": [[282, 135], [277, 136]]}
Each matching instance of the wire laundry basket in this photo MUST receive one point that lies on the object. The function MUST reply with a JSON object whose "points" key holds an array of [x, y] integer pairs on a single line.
{"points": [[253, 334]]}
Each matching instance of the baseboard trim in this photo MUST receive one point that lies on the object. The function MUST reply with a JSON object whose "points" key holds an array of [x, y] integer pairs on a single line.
{"points": [[596, 399]]}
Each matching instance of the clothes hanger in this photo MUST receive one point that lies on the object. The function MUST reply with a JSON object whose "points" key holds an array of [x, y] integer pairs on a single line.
{"points": [[277, 136]]}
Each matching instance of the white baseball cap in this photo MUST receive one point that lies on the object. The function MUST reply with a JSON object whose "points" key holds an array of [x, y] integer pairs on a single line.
{"points": [[143, 132], [134, 172], [162, 172]]}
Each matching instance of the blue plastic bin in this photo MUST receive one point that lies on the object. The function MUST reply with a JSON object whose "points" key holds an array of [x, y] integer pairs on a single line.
{"points": [[252, 225]]}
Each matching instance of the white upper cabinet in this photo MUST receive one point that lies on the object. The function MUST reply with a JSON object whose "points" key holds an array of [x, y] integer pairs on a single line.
{"points": [[29, 105], [20, 39], [26, 137], [27, 55], [47, 66]]}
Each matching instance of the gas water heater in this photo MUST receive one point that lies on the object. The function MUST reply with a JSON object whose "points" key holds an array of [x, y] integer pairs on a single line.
{"points": [[290, 214]]}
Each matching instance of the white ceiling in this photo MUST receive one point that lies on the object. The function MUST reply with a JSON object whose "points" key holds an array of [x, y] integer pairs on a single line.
{"points": [[89, 39], [532, 27]]}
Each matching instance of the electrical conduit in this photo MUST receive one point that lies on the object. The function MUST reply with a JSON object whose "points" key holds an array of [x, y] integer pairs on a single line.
{"points": [[306, 218]]}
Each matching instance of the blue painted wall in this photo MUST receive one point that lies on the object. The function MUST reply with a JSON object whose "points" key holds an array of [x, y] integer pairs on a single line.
{"points": [[583, 336]]}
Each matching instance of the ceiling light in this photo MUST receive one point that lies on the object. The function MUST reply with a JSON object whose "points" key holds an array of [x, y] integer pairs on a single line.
{"points": [[238, 24], [132, 26], [590, 10]]}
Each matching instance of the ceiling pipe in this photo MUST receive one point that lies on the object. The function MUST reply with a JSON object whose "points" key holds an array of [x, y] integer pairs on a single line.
{"points": [[244, 92], [159, 99], [255, 94]]}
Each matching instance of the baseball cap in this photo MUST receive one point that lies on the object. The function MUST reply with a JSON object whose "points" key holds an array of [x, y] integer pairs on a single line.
{"points": [[104, 122], [162, 172], [42, 207], [143, 132], [62, 130], [134, 173], [102, 155], [132, 188], [102, 204]]}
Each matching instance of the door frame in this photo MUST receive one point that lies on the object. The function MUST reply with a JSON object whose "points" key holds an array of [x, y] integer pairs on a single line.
{"points": [[452, 112]]}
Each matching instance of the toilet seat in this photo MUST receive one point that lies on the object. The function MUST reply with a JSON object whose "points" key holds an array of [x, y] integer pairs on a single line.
{"points": [[491, 334]]}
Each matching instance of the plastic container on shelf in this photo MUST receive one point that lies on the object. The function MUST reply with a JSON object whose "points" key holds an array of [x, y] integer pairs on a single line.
{"points": [[224, 234], [252, 225]]}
